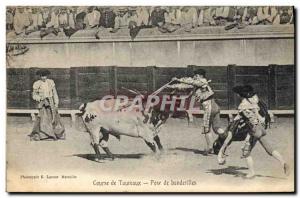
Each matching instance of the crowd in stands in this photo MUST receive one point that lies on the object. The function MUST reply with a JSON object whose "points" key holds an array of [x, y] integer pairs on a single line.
{"points": [[167, 19]]}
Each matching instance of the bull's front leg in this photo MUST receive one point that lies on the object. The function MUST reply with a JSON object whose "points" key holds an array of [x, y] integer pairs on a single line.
{"points": [[98, 157], [103, 143], [95, 139]]}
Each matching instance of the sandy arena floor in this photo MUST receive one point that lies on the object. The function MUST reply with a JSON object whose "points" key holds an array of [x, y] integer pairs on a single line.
{"points": [[183, 159]]}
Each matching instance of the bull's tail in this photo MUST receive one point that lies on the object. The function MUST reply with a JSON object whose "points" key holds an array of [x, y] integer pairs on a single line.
{"points": [[82, 111]]}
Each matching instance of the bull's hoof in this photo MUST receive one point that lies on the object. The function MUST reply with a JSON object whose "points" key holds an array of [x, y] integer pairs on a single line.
{"points": [[209, 151], [111, 159], [249, 176], [222, 162]]}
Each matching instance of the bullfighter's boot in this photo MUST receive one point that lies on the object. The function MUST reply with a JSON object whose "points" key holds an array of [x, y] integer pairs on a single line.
{"points": [[152, 146], [157, 140]]}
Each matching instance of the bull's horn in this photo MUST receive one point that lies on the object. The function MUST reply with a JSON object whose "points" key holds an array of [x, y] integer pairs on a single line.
{"points": [[82, 107], [132, 91]]}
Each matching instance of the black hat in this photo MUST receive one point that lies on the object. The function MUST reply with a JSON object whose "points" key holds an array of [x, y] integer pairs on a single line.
{"points": [[200, 72], [245, 91], [43, 72]]}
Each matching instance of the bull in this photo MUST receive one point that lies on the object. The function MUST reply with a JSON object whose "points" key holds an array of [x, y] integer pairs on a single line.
{"points": [[100, 124], [144, 124]]}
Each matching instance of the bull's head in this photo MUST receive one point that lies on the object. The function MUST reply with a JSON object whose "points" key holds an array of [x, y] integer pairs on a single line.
{"points": [[89, 117], [86, 116]]}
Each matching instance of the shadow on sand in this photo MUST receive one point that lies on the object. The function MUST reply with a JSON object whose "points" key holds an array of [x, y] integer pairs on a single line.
{"points": [[119, 156], [230, 170], [236, 172], [196, 151]]}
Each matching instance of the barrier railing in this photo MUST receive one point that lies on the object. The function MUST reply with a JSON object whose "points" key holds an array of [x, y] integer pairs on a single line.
{"points": [[73, 113], [152, 34]]}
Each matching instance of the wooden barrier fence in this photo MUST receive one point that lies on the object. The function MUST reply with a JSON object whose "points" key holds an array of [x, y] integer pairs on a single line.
{"points": [[274, 83]]}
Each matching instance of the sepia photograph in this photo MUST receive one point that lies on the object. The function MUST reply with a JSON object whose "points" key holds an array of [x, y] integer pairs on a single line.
{"points": [[159, 99]]}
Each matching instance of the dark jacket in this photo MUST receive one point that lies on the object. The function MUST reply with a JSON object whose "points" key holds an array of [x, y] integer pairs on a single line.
{"points": [[157, 17], [107, 19]]}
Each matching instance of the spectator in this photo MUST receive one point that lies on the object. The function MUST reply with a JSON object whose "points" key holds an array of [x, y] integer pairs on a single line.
{"points": [[54, 21], [274, 13], [251, 16], [28, 12], [262, 14], [266, 15], [72, 25], [107, 18], [92, 18], [167, 19], [157, 17], [206, 16], [9, 19], [241, 14], [37, 20], [21, 21], [189, 18], [121, 20], [133, 22], [132, 15], [79, 19], [224, 15], [71, 17], [143, 16], [173, 15], [238, 19], [284, 16], [291, 15], [200, 16], [53, 25], [46, 15], [229, 13], [138, 18], [172, 20], [63, 18], [219, 12]]}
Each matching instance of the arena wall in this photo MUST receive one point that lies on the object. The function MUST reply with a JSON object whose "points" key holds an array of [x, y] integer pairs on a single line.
{"points": [[253, 46], [85, 68]]}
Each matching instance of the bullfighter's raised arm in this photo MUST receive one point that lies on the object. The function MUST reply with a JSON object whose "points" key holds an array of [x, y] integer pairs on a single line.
{"points": [[198, 82]]}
